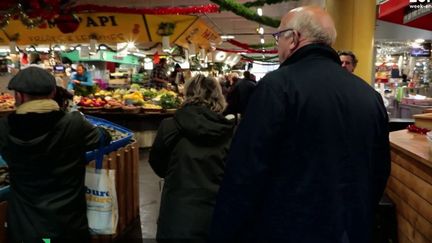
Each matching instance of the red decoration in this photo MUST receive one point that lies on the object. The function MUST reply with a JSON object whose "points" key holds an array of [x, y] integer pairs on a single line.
{"points": [[208, 8], [67, 23], [156, 58], [416, 129]]}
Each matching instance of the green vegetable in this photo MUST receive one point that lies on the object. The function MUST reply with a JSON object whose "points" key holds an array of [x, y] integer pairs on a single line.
{"points": [[169, 101]]}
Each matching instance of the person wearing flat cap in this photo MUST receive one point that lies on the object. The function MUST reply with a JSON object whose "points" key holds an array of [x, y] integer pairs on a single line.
{"points": [[44, 148]]}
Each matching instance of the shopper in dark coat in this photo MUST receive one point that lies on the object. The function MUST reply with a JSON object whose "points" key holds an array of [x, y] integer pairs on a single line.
{"points": [[44, 148], [189, 152], [238, 98], [310, 160]]}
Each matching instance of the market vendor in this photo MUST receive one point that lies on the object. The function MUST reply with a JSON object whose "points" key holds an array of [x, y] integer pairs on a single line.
{"points": [[158, 77], [81, 81]]}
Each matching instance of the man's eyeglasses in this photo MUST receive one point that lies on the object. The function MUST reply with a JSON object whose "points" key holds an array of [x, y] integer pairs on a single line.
{"points": [[276, 35]]}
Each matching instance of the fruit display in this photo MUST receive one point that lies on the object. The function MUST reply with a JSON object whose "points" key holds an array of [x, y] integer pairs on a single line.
{"points": [[7, 102], [132, 100], [92, 102]]}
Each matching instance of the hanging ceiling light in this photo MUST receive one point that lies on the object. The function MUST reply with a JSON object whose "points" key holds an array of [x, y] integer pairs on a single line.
{"points": [[259, 11]]}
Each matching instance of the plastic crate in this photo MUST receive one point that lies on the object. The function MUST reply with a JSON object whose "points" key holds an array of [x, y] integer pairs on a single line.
{"points": [[114, 145], [4, 191]]}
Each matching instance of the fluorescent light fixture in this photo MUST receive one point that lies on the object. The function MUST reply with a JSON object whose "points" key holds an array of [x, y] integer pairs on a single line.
{"points": [[43, 49], [57, 48], [78, 48], [261, 30], [259, 11], [139, 54], [102, 48], [227, 37], [62, 47], [419, 41], [130, 45]]}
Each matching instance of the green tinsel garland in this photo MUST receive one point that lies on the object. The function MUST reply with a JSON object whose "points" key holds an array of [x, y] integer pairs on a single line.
{"points": [[247, 13], [259, 3]]}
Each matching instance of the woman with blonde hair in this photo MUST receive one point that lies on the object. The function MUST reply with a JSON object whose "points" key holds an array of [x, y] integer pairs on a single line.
{"points": [[189, 153]]}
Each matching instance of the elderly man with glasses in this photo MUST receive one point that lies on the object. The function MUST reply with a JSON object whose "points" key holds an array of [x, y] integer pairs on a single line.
{"points": [[310, 159]]}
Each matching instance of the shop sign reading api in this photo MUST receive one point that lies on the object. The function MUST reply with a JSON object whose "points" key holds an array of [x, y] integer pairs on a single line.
{"points": [[104, 28]]}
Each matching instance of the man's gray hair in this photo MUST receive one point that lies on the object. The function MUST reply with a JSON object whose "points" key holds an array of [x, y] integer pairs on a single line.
{"points": [[312, 29]]}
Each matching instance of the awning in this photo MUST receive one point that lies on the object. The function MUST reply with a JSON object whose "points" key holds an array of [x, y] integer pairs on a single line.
{"points": [[417, 15], [112, 28]]}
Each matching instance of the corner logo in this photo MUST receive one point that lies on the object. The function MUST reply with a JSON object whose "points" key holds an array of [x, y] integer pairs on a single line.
{"points": [[420, 1]]}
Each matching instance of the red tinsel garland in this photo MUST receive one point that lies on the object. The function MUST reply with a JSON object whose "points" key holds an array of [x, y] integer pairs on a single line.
{"points": [[208, 8], [248, 48]]}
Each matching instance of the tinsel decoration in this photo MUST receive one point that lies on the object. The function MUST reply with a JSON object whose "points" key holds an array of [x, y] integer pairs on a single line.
{"points": [[67, 23], [207, 8], [241, 10], [260, 3]]}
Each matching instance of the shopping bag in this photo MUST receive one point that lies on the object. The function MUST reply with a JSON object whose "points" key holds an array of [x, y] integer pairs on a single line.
{"points": [[102, 208]]}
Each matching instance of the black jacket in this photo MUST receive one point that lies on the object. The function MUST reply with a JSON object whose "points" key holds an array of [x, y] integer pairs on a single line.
{"points": [[46, 158], [310, 159], [238, 98], [189, 152]]}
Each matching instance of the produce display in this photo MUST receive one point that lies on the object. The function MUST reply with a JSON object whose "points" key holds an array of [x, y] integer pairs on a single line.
{"points": [[135, 99], [7, 102]]}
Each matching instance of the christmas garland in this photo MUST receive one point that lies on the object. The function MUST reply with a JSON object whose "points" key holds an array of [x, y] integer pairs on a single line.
{"points": [[247, 13], [259, 3]]}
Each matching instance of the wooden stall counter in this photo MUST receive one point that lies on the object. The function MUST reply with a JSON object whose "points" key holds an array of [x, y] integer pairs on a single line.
{"points": [[410, 185]]}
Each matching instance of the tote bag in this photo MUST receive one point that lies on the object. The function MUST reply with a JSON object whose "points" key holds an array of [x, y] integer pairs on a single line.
{"points": [[102, 207]]}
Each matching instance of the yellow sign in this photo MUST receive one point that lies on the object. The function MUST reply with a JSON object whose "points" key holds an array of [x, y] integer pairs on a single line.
{"points": [[105, 27], [200, 34], [112, 28]]}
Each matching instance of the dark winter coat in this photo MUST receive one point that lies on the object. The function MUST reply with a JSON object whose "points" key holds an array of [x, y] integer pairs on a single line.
{"points": [[238, 98], [45, 153], [189, 152], [310, 159]]}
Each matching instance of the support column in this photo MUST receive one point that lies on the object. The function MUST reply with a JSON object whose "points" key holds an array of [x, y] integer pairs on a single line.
{"points": [[355, 25]]}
